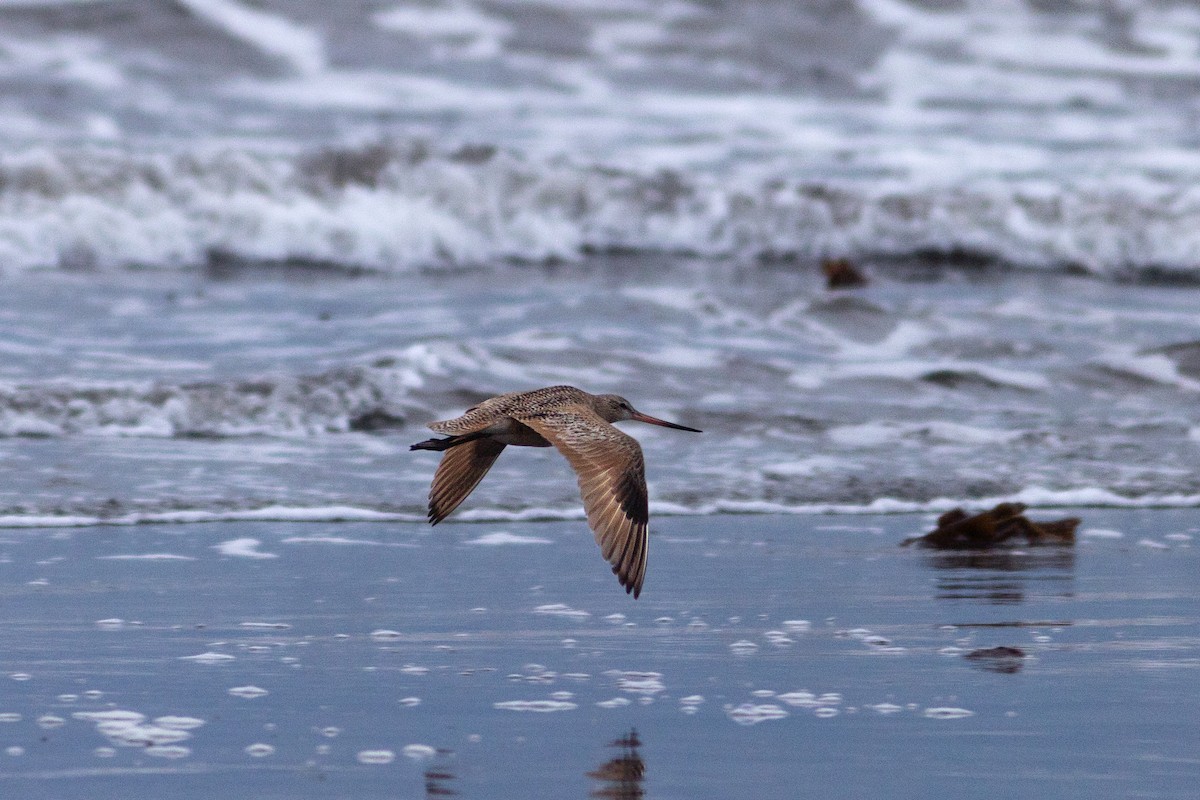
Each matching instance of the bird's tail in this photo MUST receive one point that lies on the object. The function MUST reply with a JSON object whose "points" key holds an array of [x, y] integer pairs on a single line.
{"points": [[447, 443]]}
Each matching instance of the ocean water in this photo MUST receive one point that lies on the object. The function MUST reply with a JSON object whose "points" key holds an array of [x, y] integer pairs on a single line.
{"points": [[248, 249], [439, 134]]}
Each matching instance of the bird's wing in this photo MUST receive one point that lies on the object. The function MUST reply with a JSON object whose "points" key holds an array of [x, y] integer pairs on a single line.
{"points": [[612, 480], [460, 471]]}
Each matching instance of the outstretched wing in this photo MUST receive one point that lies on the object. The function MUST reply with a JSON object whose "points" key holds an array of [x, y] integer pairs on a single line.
{"points": [[460, 471], [612, 480]]}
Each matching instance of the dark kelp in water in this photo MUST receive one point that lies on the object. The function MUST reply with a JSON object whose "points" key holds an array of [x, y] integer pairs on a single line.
{"points": [[840, 273], [1006, 524]]}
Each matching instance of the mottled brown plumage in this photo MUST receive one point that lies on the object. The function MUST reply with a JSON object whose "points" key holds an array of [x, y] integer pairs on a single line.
{"points": [[607, 462]]}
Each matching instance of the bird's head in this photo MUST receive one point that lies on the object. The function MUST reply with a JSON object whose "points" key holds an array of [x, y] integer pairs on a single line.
{"points": [[614, 408]]}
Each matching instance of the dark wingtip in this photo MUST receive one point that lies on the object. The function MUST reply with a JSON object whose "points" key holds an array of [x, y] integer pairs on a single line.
{"points": [[436, 445]]}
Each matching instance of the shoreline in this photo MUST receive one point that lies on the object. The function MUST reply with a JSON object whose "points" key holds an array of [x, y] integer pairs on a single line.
{"points": [[1036, 499]]}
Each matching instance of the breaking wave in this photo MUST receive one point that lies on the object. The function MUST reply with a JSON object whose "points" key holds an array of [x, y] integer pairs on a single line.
{"points": [[399, 206], [346, 399]]}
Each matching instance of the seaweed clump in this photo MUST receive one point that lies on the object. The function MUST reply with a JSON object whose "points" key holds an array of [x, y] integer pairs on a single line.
{"points": [[840, 273], [1005, 524]]}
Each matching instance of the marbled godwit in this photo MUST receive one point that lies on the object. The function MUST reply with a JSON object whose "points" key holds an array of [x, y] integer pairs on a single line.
{"points": [[608, 463]]}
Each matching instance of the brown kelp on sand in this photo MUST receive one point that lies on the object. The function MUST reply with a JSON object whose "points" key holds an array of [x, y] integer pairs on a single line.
{"points": [[1006, 524]]}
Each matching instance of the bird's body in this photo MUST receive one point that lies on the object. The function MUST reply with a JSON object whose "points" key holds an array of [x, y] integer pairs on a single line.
{"points": [[608, 463]]}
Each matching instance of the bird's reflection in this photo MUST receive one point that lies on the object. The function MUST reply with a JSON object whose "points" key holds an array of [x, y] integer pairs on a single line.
{"points": [[438, 779], [1003, 577], [622, 776]]}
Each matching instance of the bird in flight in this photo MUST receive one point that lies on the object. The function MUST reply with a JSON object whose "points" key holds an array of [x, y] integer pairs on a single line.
{"points": [[607, 462]]}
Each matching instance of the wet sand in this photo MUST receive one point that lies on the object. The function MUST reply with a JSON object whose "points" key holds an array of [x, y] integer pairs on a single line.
{"points": [[803, 656]]}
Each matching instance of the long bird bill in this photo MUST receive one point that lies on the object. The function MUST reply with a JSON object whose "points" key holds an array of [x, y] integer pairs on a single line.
{"points": [[640, 417]]}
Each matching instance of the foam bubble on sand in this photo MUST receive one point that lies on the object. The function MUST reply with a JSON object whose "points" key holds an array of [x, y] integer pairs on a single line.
{"points": [[384, 635], [209, 658], [561, 610], [419, 752], [248, 692], [801, 699], [504, 537], [126, 728], [947, 713], [751, 714], [243, 548], [616, 702], [537, 706], [140, 735], [743, 647], [647, 683], [375, 756]]}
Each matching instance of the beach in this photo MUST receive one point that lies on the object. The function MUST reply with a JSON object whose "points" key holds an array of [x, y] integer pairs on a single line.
{"points": [[249, 251], [358, 659]]}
